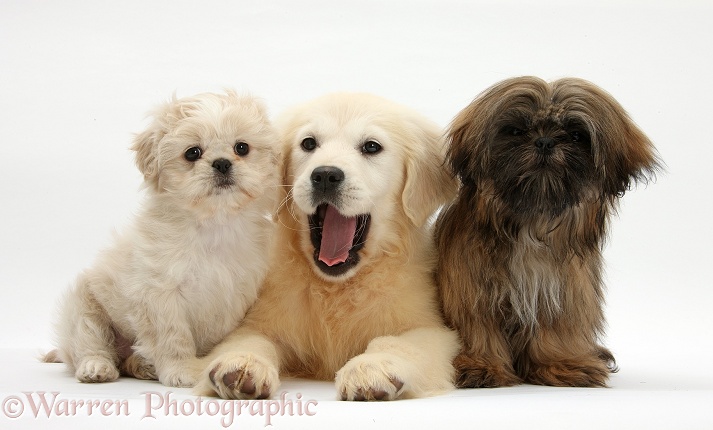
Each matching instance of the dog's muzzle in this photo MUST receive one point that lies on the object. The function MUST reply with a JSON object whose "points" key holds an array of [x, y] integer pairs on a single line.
{"points": [[336, 238], [222, 168]]}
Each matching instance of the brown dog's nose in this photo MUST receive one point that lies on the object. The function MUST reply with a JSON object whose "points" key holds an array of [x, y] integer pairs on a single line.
{"points": [[222, 165], [545, 144], [327, 178]]}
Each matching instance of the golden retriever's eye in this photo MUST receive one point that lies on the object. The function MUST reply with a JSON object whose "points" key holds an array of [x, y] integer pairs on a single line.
{"points": [[193, 154], [308, 144], [242, 149], [371, 147]]}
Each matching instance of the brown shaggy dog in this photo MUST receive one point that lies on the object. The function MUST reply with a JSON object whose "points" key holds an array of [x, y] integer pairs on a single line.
{"points": [[542, 166]]}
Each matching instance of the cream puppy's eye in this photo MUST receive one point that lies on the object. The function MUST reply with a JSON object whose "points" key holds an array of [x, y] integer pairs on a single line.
{"points": [[193, 154], [308, 144], [242, 149], [371, 147]]}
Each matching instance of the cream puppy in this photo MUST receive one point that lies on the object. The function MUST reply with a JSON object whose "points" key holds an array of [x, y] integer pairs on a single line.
{"points": [[185, 273]]}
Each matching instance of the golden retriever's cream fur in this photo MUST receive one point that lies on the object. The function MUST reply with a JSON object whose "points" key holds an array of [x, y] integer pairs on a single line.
{"points": [[185, 273], [374, 320]]}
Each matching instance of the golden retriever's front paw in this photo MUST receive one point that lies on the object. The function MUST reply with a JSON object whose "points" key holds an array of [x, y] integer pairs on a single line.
{"points": [[243, 376], [96, 369], [370, 377]]}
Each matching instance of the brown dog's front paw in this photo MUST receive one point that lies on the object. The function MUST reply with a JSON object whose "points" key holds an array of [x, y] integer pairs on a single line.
{"points": [[587, 372], [608, 358], [472, 373]]}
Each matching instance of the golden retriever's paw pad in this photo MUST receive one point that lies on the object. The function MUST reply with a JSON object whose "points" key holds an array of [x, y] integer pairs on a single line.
{"points": [[96, 369], [245, 377], [177, 376], [364, 380], [362, 395], [138, 367]]}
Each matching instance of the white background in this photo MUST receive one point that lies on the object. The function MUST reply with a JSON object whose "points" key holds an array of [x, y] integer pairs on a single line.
{"points": [[76, 78]]}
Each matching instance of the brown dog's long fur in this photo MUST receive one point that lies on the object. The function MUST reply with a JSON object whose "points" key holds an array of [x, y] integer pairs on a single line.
{"points": [[542, 166]]}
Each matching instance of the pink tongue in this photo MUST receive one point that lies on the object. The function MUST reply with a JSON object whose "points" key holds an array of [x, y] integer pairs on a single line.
{"points": [[337, 237]]}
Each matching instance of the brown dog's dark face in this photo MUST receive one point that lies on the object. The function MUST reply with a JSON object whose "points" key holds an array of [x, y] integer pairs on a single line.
{"points": [[542, 148]]}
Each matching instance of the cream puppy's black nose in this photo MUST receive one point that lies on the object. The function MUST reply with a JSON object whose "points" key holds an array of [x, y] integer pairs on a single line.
{"points": [[327, 178], [222, 165]]}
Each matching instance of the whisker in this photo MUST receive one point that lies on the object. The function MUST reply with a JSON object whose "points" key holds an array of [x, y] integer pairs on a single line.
{"points": [[290, 209]]}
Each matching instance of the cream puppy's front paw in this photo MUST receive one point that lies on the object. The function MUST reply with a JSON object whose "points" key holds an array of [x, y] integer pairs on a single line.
{"points": [[138, 367], [179, 374], [96, 369], [371, 376], [243, 376]]}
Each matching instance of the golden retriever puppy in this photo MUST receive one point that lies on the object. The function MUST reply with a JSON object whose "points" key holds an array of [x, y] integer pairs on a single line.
{"points": [[350, 290], [185, 273]]}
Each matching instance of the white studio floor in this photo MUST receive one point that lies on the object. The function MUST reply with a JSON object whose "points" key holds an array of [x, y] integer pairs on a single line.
{"points": [[76, 78], [637, 399]]}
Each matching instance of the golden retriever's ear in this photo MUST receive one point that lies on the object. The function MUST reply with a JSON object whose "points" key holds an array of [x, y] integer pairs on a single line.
{"points": [[429, 182]]}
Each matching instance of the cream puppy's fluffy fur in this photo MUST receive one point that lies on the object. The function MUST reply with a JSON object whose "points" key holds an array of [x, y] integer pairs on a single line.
{"points": [[185, 273], [367, 314]]}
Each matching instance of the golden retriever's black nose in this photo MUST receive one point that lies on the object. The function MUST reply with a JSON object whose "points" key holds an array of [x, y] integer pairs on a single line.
{"points": [[327, 178], [222, 165]]}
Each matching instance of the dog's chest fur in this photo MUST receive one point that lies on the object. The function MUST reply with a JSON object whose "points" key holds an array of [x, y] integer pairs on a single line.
{"points": [[536, 279], [222, 276], [207, 272]]}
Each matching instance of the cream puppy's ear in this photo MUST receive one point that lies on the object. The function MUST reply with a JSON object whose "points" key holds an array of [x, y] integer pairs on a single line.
{"points": [[429, 182], [146, 143]]}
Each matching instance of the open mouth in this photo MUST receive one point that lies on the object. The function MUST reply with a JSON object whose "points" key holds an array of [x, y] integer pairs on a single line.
{"points": [[337, 239]]}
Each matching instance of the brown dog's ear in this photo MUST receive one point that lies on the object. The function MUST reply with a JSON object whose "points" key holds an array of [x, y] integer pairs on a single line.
{"points": [[429, 182], [633, 161], [463, 141], [623, 153]]}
